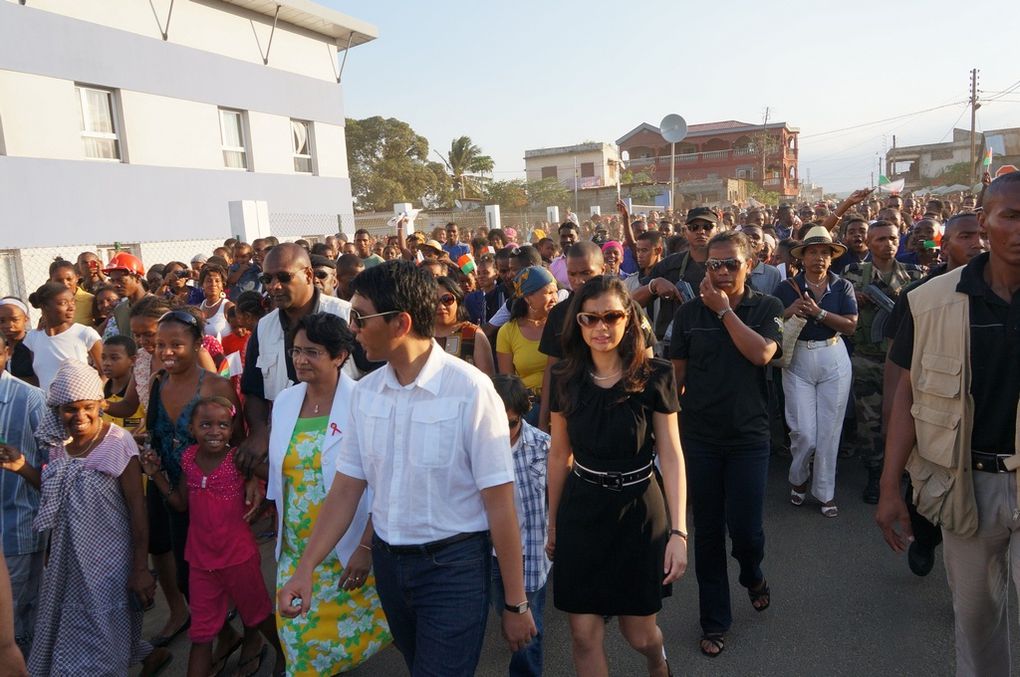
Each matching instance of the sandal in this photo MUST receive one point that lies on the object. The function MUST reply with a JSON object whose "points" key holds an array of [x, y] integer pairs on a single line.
{"points": [[220, 664], [797, 497], [156, 662], [242, 671], [164, 640], [830, 510], [761, 596], [716, 640]]}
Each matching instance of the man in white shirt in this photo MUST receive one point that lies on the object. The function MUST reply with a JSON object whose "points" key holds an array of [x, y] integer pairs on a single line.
{"points": [[428, 434]]}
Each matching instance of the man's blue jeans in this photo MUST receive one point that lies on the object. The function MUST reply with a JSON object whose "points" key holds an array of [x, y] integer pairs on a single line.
{"points": [[436, 603], [726, 486], [528, 661]]}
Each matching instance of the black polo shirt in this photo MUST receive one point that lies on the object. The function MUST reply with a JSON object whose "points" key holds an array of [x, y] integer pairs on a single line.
{"points": [[994, 358], [725, 397], [669, 268]]}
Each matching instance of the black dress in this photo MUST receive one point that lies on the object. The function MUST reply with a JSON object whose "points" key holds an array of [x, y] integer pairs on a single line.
{"points": [[610, 545]]}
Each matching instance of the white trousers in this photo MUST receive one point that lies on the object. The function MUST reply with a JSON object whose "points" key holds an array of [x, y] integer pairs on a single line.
{"points": [[979, 568], [816, 385]]}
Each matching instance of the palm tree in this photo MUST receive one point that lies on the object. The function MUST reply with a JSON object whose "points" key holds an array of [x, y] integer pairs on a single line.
{"points": [[465, 163]]}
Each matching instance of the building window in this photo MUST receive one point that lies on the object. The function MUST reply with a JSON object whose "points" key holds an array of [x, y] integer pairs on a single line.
{"points": [[235, 156], [98, 128], [301, 132], [587, 169], [549, 172]]}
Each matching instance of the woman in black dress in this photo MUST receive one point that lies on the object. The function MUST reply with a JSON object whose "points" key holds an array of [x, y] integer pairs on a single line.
{"points": [[616, 541]]}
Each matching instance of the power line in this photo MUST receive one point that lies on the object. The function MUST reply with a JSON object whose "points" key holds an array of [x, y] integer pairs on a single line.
{"points": [[962, 113], [877, 122], [1008, 90]]}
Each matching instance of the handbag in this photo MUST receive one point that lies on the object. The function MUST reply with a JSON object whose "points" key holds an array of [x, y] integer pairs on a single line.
{"points": [[792, 326]]}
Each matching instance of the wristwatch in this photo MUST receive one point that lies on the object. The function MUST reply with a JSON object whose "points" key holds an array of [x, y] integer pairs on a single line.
{"points": [[722, 313], [521, 608]]}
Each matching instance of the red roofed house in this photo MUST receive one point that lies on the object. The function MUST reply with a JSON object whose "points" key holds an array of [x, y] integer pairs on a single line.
{"points": [[719, 150]]}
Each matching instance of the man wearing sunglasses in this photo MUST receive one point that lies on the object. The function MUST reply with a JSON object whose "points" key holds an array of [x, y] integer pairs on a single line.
{"points": [[663, 279], [428, 435], [288, 279], [324, 270]]}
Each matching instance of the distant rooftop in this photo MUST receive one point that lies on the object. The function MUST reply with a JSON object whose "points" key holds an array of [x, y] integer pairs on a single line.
{"points": [[578, 148], [710, 128], [314, 17]]}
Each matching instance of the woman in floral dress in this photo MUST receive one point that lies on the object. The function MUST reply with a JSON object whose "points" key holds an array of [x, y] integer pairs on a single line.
{"points": [[346, 624]]}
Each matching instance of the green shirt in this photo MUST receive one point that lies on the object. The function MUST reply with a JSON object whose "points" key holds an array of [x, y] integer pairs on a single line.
{"points": [[868, 339]]}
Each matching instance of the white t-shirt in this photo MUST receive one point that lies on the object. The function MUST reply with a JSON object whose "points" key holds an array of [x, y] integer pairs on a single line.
{"points": [[49, 352]]}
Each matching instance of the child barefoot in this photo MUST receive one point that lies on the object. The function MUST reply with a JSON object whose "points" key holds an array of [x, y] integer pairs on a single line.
{"points": [[224, 559]]}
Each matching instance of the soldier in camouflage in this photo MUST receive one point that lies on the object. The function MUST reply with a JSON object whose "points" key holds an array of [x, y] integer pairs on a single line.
{"points": [[877, 284]]}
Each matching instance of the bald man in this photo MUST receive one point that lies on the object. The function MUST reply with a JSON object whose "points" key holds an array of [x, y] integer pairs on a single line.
{"points": [[288, 279]]}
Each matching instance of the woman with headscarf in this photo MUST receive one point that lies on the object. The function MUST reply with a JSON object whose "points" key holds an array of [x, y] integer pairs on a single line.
{"points": [[518, 340], [345, 624], [13, 325], [96, 581]]}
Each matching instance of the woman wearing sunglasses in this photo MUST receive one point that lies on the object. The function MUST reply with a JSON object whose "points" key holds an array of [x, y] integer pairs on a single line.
{"points": [[616, 541], [454, 333], [722, 342], [517, 341]]}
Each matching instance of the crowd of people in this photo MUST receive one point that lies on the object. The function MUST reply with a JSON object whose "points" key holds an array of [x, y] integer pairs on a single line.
{"points": [[438, 424]]}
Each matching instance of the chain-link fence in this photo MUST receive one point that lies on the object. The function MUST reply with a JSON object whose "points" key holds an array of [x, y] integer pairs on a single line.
{"points": [[311, 227]]}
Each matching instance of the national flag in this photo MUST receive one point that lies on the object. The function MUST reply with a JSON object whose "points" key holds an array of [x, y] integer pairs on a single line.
{"points": [[884, 184], [466, 263], [987, 162]]}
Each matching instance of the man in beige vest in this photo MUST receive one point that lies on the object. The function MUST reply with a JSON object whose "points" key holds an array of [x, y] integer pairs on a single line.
{"points": [[954, 427]]}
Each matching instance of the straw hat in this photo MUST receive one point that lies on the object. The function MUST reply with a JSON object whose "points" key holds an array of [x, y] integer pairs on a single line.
{"points": [[818, 235]]}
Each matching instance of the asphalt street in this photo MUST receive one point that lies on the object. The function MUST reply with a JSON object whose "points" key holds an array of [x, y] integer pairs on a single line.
{"points": [[842, 604]]}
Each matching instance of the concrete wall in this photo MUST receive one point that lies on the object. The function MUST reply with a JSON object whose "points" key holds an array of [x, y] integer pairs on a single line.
{"points": [[51, 202], [565, 167], [210, 26]]}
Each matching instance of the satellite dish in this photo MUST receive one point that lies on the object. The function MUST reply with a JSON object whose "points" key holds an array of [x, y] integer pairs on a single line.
{"points": [[624, 157], [457, 204], [673, 128]]}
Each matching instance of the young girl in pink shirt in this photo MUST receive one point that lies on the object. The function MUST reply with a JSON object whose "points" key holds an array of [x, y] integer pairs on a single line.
{"points": [[224, 558]]}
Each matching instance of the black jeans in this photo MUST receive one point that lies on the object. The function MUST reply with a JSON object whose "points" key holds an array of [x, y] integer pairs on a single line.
{"points": [[726, 486]]}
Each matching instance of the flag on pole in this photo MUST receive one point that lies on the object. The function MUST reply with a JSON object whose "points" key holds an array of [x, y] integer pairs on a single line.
{"points": [[988, 158], [884, 184], [466, 263]]}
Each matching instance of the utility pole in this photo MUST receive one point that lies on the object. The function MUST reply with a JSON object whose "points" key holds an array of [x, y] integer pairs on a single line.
{"points": [[764, 144], [974, 105]]}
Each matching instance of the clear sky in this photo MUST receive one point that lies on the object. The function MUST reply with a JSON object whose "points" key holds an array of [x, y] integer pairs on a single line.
{"points": [[532, 74]]}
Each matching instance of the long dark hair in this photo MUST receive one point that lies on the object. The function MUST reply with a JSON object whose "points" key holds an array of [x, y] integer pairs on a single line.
{"points": [[574, 368], [451, 285]]}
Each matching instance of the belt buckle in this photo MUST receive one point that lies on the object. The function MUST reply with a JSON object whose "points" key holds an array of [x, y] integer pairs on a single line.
{"points": [[613, 481]]}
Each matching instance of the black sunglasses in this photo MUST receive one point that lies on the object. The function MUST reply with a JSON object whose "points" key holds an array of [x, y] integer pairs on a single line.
{"points": [[732, 265], [322, 274], [611, 318], [695, 227], [283, 276], [514, 422], [447, 299]]}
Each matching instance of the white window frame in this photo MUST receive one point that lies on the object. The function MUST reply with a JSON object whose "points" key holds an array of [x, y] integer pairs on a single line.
{"points": [[243, 150], [310, 143], [80, 90]]}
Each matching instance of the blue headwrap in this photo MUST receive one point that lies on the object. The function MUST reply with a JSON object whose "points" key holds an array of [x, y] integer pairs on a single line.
{"points": [[531, 279]]}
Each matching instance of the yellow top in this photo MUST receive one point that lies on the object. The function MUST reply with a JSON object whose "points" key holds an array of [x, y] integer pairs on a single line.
{"points": [[529, 363], [83, 307]]}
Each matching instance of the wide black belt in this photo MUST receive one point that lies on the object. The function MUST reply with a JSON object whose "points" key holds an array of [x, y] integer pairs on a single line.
{"points": [[613, 480], [985, 462], [429, 548]]}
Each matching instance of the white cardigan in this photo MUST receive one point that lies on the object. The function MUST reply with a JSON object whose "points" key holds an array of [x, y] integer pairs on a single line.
{"points": [[286, 409]]}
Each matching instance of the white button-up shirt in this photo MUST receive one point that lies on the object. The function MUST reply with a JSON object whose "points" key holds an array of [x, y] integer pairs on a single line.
{"points": [[427, 449]]}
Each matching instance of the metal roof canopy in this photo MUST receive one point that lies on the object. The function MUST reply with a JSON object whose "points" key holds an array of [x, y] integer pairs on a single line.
{"points": [[345, 30]]}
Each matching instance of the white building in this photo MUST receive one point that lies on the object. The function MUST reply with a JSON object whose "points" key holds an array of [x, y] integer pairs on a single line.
{"points": [[591, 165], [133, 121]]}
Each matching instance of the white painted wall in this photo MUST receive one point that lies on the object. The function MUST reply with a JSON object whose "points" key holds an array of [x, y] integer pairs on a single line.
{"points": [[40, 116], [215, 27], [330, 149]]}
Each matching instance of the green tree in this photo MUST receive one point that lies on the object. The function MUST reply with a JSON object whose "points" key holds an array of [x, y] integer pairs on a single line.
{"points": [[641, 186], [955, 173], [389, 163], [465, 164], [510, 195], [548, 192]]}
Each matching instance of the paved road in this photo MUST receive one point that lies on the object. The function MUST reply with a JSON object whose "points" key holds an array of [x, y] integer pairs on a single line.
{"points": [[842, 604]]}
